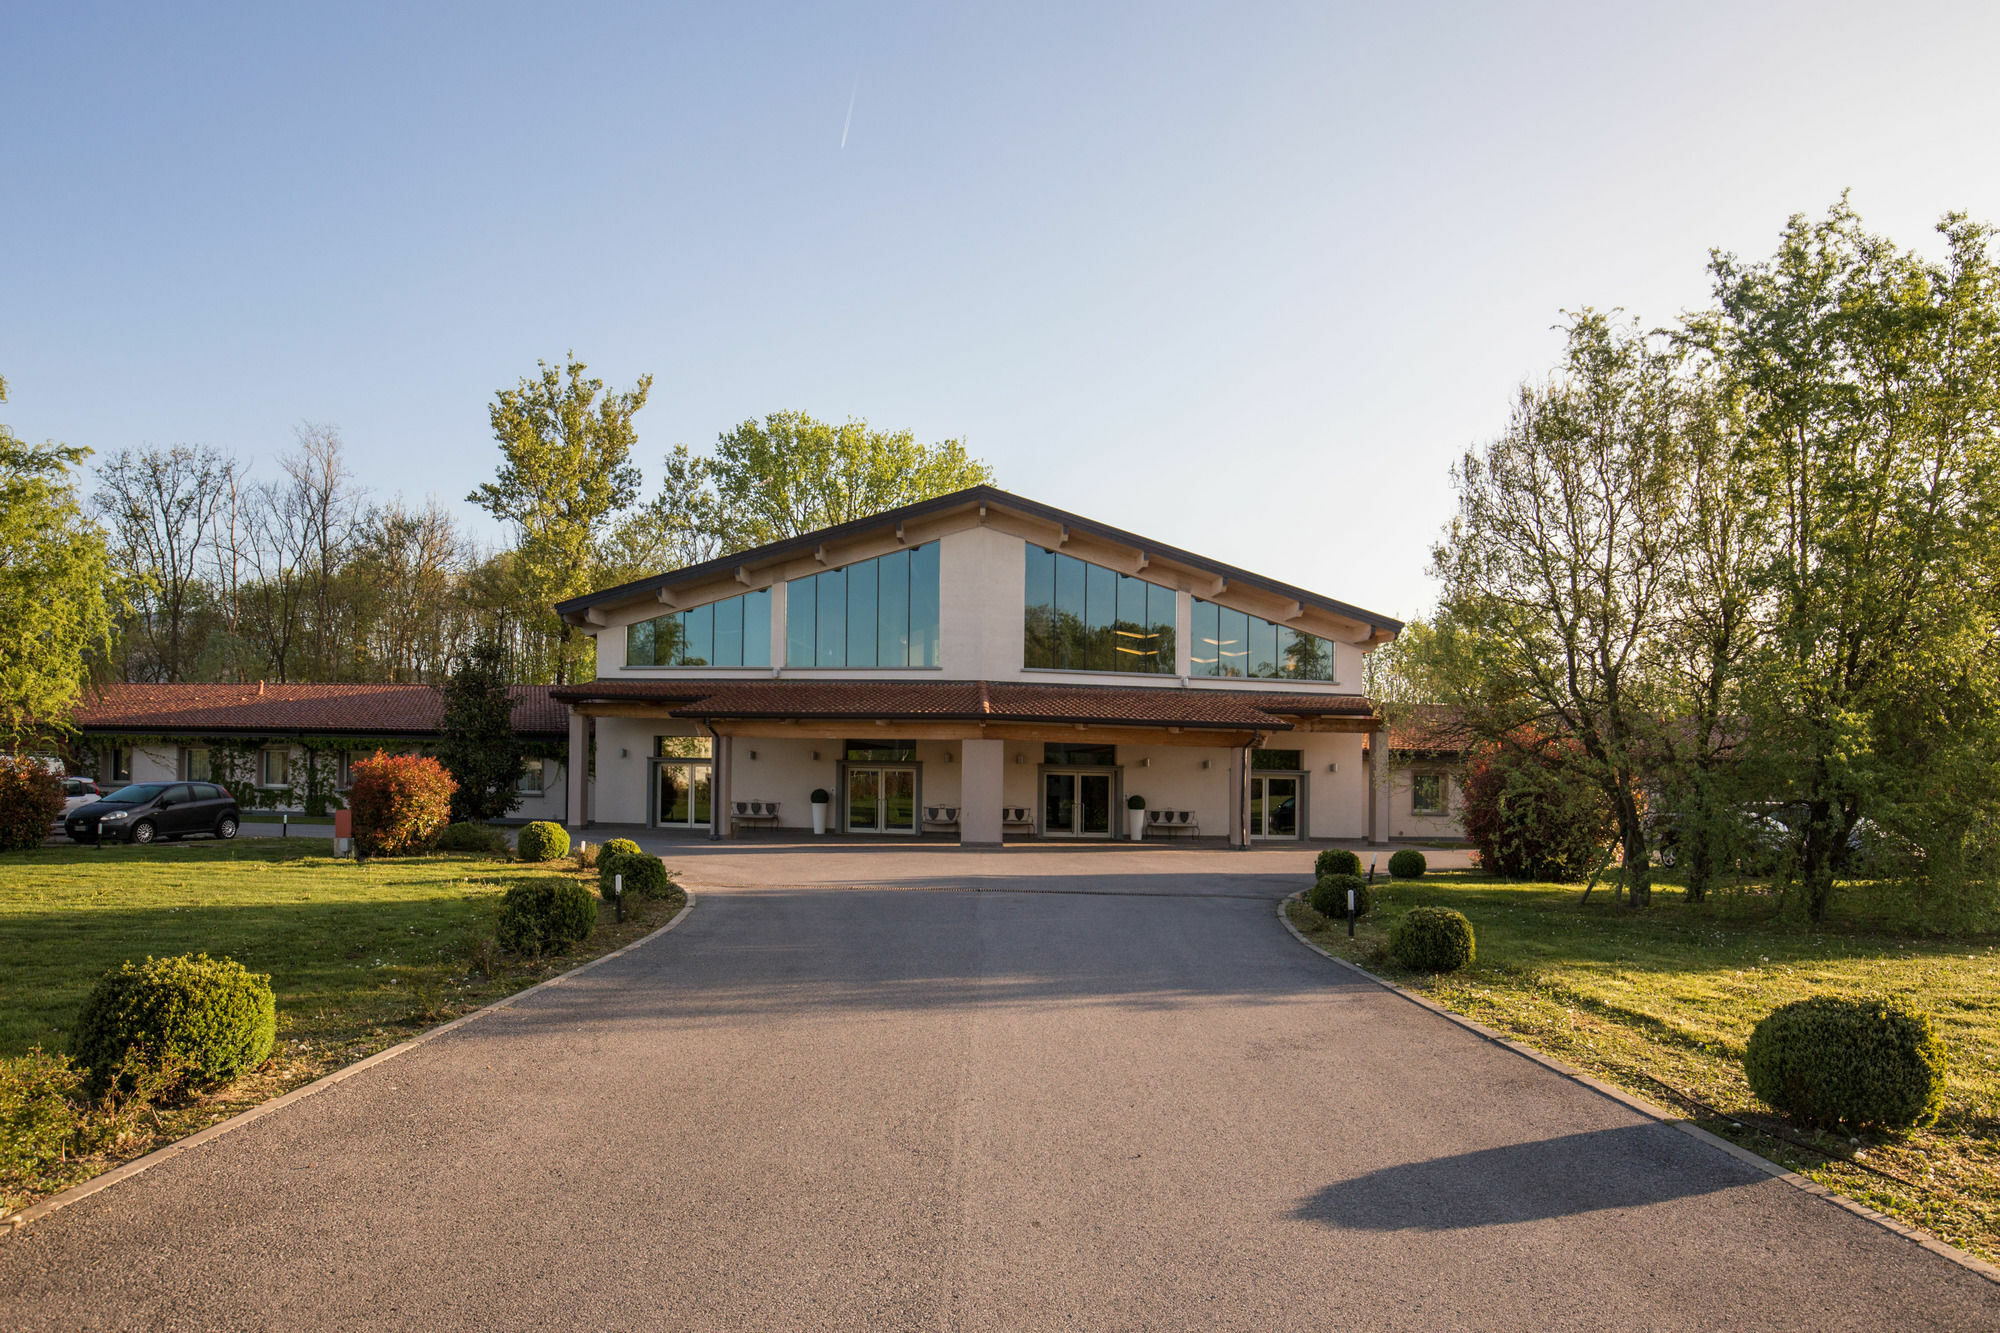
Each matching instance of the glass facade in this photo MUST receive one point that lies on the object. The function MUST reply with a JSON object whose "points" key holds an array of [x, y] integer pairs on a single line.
{"points": [[1232, 643], [1080, 756], [733, 632], [1084, 617], [1280, 761], [876, 613]]}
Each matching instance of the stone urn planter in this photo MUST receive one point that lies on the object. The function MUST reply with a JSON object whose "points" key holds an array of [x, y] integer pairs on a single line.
{"points": [[1135, 817], [820, 801]]}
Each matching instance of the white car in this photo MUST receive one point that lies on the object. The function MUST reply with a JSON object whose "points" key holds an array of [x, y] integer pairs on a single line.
{"points": [[77, 793]]}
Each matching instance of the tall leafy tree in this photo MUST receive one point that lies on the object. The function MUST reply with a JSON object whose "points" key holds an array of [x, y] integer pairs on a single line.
{"points": [[790, 474], [565, 475], [1870, 385], [58, 590], [479, 745], [162, 505], [1554, 571]]}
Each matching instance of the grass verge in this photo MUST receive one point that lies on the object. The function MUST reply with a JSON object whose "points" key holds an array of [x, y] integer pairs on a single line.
{"points": [[1662, 1003], [361, 955]]}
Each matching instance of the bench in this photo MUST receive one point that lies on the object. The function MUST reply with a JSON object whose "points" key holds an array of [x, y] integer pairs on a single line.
{"points": [[1017, 816], [945, 815], [750, 812], [1173, 821]]}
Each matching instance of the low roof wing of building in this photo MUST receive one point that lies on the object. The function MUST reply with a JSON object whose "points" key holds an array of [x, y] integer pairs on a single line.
{"points": [[294, 710]]}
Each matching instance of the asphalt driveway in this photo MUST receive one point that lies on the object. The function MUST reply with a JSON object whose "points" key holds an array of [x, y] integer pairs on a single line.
{"points": [[1029, 1090]]}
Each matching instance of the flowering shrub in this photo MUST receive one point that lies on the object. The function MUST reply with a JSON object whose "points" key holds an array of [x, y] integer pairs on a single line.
{"points": [[31, 799], [401, 804]]}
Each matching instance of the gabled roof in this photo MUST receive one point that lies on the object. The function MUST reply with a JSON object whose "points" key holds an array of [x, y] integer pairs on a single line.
{"points": [[1435, 729], [974, 701], [969, 498], [294, 710]]}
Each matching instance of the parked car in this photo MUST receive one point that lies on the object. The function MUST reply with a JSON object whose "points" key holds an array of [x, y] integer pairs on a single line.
{"points": [[146, 811], [77, 793]]}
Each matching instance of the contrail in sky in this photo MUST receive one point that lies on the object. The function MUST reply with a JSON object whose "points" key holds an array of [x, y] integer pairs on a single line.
{"points": [[846, 124]]}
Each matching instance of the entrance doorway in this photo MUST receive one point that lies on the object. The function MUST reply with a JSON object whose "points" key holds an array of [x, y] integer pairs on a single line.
{"points": [[682, 793], [1274, 807], [881, 800], [1076, 804]]}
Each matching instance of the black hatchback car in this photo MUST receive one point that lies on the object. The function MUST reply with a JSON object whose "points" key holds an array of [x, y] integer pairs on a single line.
{"points": [[145, 811]]}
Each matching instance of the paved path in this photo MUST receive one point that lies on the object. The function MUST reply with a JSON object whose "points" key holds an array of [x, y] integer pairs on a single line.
{"points": [[1088, 1096]]}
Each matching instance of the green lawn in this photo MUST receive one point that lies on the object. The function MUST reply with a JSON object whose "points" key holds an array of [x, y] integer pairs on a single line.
{"points": [[361, 955], [1672, 993]]}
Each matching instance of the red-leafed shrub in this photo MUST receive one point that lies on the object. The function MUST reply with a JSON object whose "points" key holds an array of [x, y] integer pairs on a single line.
{"points": [[31, 799], [401, 804], [1531, 814]]}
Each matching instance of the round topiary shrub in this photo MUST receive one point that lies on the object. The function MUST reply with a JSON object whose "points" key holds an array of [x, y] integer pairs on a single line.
{"points": [[1432, 939], [1830, 1062], [1408, 864], [1329, 895], [189, 1021], [618, 847], [542, 841], [645, 876], [472, 837], [1336, 861], [31, 800], [545, 916]]}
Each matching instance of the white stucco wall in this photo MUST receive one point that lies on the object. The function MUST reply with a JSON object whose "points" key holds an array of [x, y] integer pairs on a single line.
{"points": [[1405, 822]]}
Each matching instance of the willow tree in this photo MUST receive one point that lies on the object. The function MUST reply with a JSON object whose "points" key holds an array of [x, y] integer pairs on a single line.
{"points": [[1554, 571], [1869, 379]]}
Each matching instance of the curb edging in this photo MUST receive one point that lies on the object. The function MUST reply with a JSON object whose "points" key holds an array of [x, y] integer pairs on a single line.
{"points": [[1651, 1111], [14, 1223]]}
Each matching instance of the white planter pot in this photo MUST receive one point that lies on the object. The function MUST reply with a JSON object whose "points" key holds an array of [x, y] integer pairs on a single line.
{"points": [[819, 818], [1136, 819]]}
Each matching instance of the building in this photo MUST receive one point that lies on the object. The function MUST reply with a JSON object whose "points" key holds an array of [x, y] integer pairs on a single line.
{"points": [[983, 666], [288, 748]]}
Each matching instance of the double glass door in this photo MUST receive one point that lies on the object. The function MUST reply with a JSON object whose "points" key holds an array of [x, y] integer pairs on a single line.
{"points": [[1274, 807], [1076, 805], [681, 793], [881, 800]]}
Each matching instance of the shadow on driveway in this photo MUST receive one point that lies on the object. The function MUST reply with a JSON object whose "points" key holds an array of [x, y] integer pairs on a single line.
{"points": [[1523, 1182]]}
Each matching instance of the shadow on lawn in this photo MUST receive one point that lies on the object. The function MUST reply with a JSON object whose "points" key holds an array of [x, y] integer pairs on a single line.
{"points": [[1633, 1166]]}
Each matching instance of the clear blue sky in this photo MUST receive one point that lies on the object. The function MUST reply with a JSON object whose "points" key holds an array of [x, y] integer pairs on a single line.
{"points": [[1244, 278]]}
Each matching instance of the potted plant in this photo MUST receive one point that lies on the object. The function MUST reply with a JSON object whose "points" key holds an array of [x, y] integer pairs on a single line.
{"points": [[1135, 815], [820, 800]]}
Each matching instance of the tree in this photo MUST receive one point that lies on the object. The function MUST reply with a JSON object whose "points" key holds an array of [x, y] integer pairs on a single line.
{"points": [[161, 505], [1554, 571], [683, 525], [57, 588], [565, 474], [479, 745], [1870, 385], [407, 585], [791, 474]]}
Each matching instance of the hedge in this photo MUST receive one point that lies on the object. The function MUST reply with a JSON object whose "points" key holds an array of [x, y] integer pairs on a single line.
{"points": [[644, 875], [468, 836], [31, 801], [1432, 939], [618, 847], [542, 841], [545, 916], [191, 1021], [1329, 895], [401, 804], [1830, 1062], [1408, 864], [1336, 861]]}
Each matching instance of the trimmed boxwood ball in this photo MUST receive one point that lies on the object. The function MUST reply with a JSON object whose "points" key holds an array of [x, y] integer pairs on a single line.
{"points": [[645, 876], [545, 916], [1830, 1062], [1432, 939], [1408, 864], [1329, 895], [468, 836], [192, 1021], [1336, 861], [542, 841], [618, 847]]}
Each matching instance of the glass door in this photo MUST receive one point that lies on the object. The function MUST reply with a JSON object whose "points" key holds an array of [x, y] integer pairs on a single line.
{"points": [[1076, 804], [1274, 807], [881, 800], [681, 794]]}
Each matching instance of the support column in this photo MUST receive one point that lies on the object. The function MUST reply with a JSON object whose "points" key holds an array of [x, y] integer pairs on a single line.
{"points": [[721, 814], [1239, 796], [576, 772], [1378, 787], [981, 792]]}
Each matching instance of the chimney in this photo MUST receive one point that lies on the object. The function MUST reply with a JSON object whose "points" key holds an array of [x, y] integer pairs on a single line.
{"points": [[260, 689]]}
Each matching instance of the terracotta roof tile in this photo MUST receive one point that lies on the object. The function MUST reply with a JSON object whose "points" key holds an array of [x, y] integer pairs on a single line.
{"points": [[397, 710], [1434, 728]]}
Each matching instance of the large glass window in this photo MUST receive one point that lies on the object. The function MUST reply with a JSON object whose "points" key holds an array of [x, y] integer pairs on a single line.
{"points": [[1084, 617], [1232, 643], [874, 613], [732, 632], [1077, 755]]}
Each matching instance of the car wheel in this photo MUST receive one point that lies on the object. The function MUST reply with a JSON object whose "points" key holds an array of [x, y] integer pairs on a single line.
{"points": [[143, 831], [226, 828]]}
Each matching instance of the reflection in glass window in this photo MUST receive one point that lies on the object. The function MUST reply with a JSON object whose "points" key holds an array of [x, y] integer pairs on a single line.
{"points": [[1084, 617], [881, 752], [1078, 755], [1232, 643], [732, 632], [873, 613], [1427, 794], [1277, 761]]}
